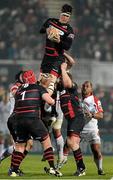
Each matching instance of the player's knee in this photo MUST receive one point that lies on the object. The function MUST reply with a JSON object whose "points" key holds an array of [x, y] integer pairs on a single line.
{"points": [[57, 133], [20, 147], [73, 142]]}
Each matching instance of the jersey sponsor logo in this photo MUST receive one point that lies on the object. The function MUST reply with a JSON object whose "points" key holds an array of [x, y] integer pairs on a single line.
{"points": [[64, 27], [71, 36], [63, 92], [59, 31], [56, 70], [37, 138], [26, 85]]}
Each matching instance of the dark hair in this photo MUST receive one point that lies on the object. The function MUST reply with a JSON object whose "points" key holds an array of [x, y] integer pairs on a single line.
{"points": [[67, 9], [86, 82], [17, 76]]}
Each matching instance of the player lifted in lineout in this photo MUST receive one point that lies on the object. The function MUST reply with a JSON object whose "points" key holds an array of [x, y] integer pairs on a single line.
{"points": [[59, 37]]}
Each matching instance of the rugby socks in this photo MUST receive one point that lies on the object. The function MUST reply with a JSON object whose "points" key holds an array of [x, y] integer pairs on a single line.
{"points": [[60, 146], [7, 152], [97, 157], [65, 150], [49, 156], [79, 159], [98, 163], [16, 160], [25, 152]]}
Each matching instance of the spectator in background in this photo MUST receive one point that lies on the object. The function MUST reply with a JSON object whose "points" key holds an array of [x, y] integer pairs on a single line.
{"points": [[99, 14], [13, 51], [3, 50], [19, 22]]}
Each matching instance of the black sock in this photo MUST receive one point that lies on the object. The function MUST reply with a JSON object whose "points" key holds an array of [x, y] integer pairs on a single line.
{"points": [[26, 152], [79, 159], [49, 156], [16, 160]]}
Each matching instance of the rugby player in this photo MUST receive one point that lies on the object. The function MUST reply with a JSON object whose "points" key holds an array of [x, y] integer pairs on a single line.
{"points": [[73, 113], [93, 112], [54, 50], [28, 100]]}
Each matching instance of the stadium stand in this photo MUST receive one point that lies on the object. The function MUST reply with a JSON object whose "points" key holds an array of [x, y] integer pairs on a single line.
{"points": [[94, 23], [19, 32]]}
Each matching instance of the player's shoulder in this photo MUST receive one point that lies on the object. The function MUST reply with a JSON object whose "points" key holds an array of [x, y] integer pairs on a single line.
{"points": [[96, 98], [69, 27], [15, 87], [70, 31], [89, 98], [73, 88], [40, 87], [74, 85]]}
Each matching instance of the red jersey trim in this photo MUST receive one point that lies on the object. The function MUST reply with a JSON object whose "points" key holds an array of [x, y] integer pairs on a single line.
{"points": [[35, 90], [99, 108], [61, 28], [29, 99], [55, 55], [54, 73], [25, 111], [47, 47], [71, 112], [26, 107]]}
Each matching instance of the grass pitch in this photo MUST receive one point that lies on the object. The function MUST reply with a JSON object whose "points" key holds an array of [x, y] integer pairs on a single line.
{"points": [[33, 168]]}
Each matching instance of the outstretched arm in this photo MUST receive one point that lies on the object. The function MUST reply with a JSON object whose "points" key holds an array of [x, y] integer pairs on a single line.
{"points": [[67, 82], [69, 60]]}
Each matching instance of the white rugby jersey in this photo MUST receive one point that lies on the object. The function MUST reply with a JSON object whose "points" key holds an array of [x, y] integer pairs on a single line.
{"points": [[13, 90], [93, 104], [12, 102]]}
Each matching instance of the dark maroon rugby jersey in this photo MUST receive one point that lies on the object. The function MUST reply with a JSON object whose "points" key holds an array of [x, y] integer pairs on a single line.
{"points": [[70, 103], [54, 49], [28, 100]]}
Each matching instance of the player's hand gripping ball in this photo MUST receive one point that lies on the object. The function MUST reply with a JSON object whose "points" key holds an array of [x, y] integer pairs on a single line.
{"points": [[53, 34]]}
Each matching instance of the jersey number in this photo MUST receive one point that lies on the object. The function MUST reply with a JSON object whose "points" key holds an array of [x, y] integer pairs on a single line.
{"points": [[23, 95]]}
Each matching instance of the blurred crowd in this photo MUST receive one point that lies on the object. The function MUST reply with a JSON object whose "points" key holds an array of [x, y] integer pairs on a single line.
{"points": [[19, 29], [94, 24], [20, 22]]}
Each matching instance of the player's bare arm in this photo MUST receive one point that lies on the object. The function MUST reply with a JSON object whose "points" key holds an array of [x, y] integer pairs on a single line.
{"points": [[67, 82]]}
